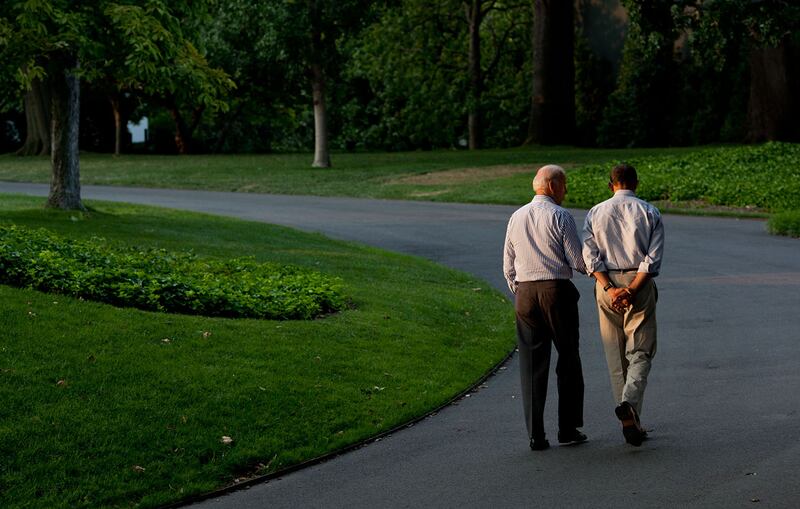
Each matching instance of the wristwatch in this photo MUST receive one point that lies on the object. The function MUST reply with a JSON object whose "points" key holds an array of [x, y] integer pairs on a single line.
{"points": [[607, 286]]}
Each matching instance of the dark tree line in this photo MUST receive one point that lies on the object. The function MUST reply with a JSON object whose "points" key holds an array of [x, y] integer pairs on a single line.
{"points": [[239, 76]]}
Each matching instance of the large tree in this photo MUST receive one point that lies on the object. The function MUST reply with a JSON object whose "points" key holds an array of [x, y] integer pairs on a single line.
{"points": [[439, 68], [476, 12], [552, 117], [325, 22], [766, 35], [37, 120], [60, 43]]}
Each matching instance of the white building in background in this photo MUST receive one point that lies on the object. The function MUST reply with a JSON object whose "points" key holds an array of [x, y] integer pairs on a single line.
{"points": [[138, 131]]}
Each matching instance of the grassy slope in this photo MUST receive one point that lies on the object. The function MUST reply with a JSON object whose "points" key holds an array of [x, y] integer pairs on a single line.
{"points": [[284, 391]]}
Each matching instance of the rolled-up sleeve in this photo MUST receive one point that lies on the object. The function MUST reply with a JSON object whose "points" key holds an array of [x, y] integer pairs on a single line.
{"points": [[572, 244], [591, 252], [652, 260], [509, 271]]}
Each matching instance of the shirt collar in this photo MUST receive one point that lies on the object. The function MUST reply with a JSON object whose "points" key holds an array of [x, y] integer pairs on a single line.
{"points": [[624, 192], [542, 198]]}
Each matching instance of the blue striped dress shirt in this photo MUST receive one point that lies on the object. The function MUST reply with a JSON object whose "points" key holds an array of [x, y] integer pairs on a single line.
{"points": [[541, 244]]}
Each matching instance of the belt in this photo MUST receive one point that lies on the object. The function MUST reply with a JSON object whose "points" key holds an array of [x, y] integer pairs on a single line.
{"points": [[623, 271]]}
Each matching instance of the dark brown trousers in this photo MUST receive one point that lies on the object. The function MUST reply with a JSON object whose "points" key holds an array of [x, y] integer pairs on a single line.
{"points": [[547, 313]]}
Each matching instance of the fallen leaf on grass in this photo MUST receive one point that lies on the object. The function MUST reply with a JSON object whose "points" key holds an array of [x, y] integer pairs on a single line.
{"points": [[206, 334], [61, 383], [226, 440], [165, 340], [137, 469]]}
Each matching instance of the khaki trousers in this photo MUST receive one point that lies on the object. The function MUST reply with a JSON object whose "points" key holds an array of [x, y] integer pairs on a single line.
{"points": [[629, 339]]}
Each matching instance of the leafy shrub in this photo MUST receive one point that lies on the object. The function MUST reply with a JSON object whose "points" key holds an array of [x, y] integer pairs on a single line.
{"points": [[785, 223], [765, 176], [158, 280]]}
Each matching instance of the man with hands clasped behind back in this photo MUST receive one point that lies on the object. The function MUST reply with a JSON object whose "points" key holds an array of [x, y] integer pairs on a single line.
{"points": [[622, 248]]}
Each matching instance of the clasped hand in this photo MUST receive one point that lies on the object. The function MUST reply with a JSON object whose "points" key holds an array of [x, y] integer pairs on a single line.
{"points": [[621, 299]]}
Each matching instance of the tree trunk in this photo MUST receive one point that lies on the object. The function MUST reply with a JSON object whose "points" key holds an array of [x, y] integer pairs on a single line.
{"points": [[65, 187], [37, 118], [117, 125], [322, 158], [552, 117], [772, 109], [474, 18], [183, 138]]}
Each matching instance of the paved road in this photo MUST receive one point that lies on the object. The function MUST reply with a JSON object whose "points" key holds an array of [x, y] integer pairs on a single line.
{"points": [[723, 399]]}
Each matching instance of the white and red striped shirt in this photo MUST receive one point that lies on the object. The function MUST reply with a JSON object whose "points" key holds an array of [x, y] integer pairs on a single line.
{"points": [[541, 243]]}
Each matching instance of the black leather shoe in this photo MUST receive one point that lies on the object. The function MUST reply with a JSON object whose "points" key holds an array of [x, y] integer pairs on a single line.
{"points": [[539, 445], [631, 429], [571, 436]]}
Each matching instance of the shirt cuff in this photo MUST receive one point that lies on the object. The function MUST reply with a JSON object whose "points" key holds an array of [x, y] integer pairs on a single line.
{"points": [[648, 267], [598, 266]]}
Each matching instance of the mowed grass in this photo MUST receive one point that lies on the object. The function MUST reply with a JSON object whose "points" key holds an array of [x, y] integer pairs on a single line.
{"points": [[741, 180], [110, 407], [367, 175]]}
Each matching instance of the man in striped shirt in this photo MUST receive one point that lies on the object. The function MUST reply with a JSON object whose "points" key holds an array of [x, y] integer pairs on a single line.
{"points": [[541, 250], [623, 245]]}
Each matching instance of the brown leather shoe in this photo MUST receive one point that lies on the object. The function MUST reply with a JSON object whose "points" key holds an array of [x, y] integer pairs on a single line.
{"points": [[631, 429]]}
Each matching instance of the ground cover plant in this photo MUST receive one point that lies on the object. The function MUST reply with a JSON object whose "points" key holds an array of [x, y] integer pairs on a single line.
{"points": [[785, 223], [160, 280], [119, 407]]}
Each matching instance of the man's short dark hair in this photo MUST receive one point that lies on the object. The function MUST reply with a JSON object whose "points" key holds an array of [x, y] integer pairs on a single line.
{"points": [[624, 174]]}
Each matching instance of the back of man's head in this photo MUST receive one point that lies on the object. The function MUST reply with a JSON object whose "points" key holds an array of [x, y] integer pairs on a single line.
{"points": [[545, 174], [624, 175]]}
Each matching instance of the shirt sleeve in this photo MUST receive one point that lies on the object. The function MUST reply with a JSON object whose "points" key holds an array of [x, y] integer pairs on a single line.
{"points": [[652, 260], [591, 252], [509, 271], [572, 244]]}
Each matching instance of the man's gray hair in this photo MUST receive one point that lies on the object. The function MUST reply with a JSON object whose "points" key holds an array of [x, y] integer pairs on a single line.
{"points": [[547, 173]]}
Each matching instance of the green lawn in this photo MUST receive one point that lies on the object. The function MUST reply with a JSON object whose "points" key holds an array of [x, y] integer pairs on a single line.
{"points": [[746, 180], [112, 407], [372, 175]]}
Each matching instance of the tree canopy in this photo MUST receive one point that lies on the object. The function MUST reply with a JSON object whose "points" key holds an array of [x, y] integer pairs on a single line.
{"points": [[278, 75]]}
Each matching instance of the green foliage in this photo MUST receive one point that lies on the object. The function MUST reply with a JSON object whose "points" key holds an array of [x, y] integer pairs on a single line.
{"points": [[762, 177], [785, 223], [141, 48], [157, 280], [155, 56], [414, 63], [638, 110]]}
